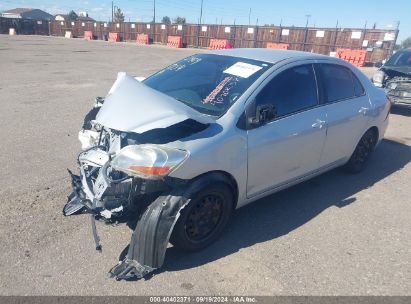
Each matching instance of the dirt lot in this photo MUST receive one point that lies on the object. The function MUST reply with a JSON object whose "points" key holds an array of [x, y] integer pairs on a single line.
{"points": [[335, 235]]}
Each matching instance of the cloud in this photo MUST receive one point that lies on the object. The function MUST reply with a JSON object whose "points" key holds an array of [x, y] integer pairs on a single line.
{"points": [[98, 9]]}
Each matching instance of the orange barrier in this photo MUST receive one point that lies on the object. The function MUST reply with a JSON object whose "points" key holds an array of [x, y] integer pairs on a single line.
{"points": [[88, 35], [113, 37], [278, 46], [142, 39], [355, 57], [219, 44], [175, 41]]}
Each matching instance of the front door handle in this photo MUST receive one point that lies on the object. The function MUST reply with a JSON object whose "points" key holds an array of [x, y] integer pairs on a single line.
{"points": [[363, 111], [318, 124]]}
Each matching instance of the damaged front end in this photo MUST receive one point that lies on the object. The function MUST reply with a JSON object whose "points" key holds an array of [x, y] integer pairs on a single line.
{"points": [[114, 196], [124, 178], [395, 78], [399, 90]]}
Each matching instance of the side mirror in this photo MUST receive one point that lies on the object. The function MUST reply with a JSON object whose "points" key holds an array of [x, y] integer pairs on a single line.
{"points": [[263, 113]]}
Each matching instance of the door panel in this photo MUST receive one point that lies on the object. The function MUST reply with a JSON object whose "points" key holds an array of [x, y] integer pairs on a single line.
{"points": [[347, 122], [347, 108], [285, 149]]}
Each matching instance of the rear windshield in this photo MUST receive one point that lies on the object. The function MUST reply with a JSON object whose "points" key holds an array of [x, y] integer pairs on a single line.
{"points": [[206, 82], [402, 58]]}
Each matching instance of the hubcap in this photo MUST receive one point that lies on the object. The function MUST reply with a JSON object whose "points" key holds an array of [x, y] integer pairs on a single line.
{"points": [[204, 217]]}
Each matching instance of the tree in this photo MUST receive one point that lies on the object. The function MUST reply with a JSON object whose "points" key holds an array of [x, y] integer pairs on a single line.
{"points": [[72, 16], [406, 43], [118, 16], [166, 20], [180, 20]]}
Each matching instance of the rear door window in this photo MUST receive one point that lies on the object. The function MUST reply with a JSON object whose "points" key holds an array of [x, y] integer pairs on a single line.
{"points": [[337, 83], [358, 88]]}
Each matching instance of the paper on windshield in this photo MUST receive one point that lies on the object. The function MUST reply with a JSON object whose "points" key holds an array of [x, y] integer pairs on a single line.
{"points": [[242, 69]]}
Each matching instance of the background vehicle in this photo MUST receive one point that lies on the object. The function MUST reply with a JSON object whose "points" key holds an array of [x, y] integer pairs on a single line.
{"points": [[395, 77], [213, 132]]}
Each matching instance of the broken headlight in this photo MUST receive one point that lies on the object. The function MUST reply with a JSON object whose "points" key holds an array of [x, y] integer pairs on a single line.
{"points": [[148, 161], [378, 78]]}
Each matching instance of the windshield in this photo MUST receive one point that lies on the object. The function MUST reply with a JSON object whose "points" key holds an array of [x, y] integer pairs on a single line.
{"points": [[206, 82], [402, 58]]}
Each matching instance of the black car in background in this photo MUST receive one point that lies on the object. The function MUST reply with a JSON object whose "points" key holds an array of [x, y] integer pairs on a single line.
{"points": [[395, 77]]}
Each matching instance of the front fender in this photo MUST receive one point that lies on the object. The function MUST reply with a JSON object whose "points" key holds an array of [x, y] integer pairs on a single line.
{"points": [[149, 241]]}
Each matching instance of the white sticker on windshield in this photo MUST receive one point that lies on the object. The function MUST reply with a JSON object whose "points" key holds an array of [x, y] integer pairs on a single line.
{"points": [[242, 69]]}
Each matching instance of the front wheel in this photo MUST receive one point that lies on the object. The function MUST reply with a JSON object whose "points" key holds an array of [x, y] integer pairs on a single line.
{"points": [[203, 220], [362, 152]]}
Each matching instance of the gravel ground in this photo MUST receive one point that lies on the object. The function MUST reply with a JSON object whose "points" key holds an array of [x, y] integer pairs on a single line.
{"points": [[337, 234]]}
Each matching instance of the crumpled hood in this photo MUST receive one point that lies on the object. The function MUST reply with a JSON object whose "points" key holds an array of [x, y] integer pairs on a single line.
{"points": [[400, 69], [131, 106]]}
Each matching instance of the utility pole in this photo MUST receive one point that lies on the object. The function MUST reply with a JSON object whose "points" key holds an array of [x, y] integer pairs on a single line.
{"points": [[112, 11], [308, 18], [154, 12], [154, 21], [335, 37], [249, 17], [201, 12], [363, 35], [199, 24], [280, 31], [306, 32]]}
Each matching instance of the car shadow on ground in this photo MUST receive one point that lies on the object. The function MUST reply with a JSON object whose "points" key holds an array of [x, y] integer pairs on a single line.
{"points": [[404, 111], [281, 213]]}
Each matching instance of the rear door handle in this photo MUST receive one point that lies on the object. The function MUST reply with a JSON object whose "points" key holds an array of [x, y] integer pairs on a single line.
{"points": [[318, 124], [363, 111]]}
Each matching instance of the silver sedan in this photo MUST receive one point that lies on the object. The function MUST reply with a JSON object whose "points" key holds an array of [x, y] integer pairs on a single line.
{"points": [[174, 154]]}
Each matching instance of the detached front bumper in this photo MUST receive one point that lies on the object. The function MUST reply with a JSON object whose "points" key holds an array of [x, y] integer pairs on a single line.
{"points": [[399, 91], [147, 202], [401, 98], [77, 201], [406, 102]]}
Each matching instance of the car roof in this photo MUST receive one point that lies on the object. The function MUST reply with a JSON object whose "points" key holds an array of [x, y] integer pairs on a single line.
{"points": [[268, 55]]}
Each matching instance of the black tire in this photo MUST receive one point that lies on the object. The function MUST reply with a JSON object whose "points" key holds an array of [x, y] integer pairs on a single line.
{"points": [[203, 220], [362, 152]]}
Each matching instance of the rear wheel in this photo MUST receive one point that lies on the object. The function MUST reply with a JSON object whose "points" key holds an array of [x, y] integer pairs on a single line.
{"points": [[362, 152], [202, 221]]}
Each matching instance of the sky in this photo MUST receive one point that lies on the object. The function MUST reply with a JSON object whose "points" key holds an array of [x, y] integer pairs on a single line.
{"points": [[323, 13]]}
